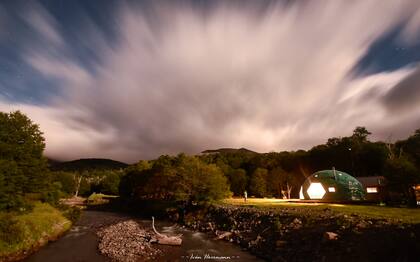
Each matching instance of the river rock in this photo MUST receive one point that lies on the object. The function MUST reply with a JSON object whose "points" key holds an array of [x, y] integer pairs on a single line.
{"points": [[330, 236], [126, 241], [281, 243], [223, 234]]}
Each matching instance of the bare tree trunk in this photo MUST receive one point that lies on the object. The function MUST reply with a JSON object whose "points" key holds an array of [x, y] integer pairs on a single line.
{"points": [[283, 193], [391, 154], [289, 190], [78, 181], [164, 239]]}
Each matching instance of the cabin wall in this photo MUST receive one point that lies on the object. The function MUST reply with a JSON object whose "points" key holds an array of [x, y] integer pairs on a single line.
{"points": [[380, 196]]}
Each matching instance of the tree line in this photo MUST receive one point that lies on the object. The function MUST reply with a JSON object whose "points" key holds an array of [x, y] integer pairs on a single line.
{"points": [[280, 174], [25, 176]]}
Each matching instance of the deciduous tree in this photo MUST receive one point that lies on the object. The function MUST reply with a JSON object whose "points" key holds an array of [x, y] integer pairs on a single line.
{"points": [[23, 169]]}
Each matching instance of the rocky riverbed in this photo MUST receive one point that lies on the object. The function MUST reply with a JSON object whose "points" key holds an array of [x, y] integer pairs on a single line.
{"points": [[314, 235], [127, 241], [109, 236]]}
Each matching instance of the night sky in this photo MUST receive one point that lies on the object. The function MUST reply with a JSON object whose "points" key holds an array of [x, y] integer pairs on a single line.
{"points": [[132, 80]]}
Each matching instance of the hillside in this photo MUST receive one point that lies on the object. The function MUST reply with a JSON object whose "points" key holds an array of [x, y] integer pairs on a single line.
{"points": [[228, 151], [87, 164]]}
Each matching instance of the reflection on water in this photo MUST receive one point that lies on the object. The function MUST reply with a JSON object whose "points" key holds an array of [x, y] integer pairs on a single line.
{"points": [[80, 243]]}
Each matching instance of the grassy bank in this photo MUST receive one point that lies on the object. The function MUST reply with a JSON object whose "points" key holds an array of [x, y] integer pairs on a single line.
{"points": [[406, 215], [21, 234], [99, 199]]}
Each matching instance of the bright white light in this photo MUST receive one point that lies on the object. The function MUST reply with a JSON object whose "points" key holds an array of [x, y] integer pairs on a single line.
{"points": [[372, 189], [301, 193], [331, 189], [316, 191]]}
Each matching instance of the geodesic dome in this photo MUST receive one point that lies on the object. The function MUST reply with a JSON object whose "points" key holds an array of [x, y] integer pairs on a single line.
{"points": [[331, 185]]}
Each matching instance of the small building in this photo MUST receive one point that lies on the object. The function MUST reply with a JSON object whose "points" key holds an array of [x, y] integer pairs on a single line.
{"points": [[332, 186], [375, 187], [417, 192]]}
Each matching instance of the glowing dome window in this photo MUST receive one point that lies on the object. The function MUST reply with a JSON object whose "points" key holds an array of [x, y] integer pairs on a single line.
{"points": [[301, 193], [316, 191]]}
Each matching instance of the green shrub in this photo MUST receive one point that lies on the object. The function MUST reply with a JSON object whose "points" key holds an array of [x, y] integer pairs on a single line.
{"points": [[51, 197], [15, 203], [11, 232], [71, 213]]}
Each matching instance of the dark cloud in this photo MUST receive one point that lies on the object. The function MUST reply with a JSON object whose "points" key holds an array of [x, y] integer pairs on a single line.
{"points": [[405, 96]]}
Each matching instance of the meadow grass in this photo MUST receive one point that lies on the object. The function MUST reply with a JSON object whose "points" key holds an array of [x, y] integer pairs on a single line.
{"points": [[406, 215]]}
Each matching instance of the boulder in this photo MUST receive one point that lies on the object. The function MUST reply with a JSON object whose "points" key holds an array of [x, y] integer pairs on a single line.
{"points": [[330, 236]]}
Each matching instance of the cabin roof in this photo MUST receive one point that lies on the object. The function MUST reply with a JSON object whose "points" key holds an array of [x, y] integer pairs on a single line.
{"points": [[372, 180]]}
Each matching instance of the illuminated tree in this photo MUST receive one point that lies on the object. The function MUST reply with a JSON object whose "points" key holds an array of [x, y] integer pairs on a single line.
{"points": [[183, 178], [23, 169], [238, 181], [258, 183]]}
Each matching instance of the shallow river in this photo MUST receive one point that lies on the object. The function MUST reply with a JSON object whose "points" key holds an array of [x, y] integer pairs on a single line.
{"points": [[80, 243]]}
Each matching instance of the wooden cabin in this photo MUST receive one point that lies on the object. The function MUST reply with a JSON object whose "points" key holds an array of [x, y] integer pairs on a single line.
{"points": [[375, 188]]}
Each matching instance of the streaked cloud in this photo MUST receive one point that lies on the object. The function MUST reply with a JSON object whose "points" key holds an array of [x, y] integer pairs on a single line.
{"points": [[183, 77], [404, 96]]}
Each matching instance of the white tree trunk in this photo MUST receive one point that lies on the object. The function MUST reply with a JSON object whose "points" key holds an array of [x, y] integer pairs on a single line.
{"points": [[164, 239], [289, 190], [78, 181]]}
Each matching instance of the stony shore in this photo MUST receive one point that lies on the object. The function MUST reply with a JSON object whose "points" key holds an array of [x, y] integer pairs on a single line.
{"points": [[127, 241], [321, 235]]}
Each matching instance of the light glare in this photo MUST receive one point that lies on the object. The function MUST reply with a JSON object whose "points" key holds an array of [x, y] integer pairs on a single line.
{"points": [[316, 191]]}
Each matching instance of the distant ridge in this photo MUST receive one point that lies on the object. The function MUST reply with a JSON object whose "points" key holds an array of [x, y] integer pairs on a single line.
{"points": [[229, 151], [53, 162], [87, 164]]}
